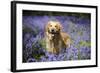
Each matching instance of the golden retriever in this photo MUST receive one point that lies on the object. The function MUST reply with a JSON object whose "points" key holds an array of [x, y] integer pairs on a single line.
{"points": [[55, 38]]}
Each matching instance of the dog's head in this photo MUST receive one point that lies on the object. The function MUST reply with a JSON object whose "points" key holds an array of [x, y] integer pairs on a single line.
{"points": [[53, 27]]}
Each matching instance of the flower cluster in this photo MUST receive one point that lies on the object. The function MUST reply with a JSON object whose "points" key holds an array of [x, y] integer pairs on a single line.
{"points": [[34, 43]]}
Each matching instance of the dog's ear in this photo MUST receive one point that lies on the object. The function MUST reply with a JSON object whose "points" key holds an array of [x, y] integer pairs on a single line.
{"points": [[46, 27], [60, 26]]}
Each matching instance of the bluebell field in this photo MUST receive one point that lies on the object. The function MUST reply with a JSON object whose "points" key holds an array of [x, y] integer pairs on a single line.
{"points": [[79, 29]]}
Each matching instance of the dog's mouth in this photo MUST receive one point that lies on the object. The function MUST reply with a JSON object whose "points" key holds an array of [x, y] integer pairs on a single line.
{"points": [[54, 32]]}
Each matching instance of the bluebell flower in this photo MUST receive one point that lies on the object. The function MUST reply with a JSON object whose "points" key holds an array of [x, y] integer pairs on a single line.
{"points": [[31, 60], [78, 28]]}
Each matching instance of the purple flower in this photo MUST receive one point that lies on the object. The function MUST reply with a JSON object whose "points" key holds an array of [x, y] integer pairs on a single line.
{"points": [[78, 28], [31, 60]]}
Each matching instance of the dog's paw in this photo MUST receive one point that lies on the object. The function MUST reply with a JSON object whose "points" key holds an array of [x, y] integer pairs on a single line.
{"points": [[68, 46]]}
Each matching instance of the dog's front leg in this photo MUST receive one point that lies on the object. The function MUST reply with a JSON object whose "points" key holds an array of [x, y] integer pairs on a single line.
{"points": [[52, 47], [68, 43], [49, 46]]}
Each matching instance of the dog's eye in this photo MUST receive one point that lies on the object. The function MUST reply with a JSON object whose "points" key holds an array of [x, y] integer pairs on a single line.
{"points": [[56, 26], [50, 25]]}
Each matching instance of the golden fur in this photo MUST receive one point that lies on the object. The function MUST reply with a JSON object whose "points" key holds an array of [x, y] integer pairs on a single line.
{"points": [[55, 38]]}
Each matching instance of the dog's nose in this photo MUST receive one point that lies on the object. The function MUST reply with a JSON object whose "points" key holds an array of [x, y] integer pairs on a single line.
{"points": [[52, 30]]}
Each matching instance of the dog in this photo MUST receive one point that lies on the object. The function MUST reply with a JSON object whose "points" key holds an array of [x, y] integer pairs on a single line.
{"points": [[55, 38]]}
